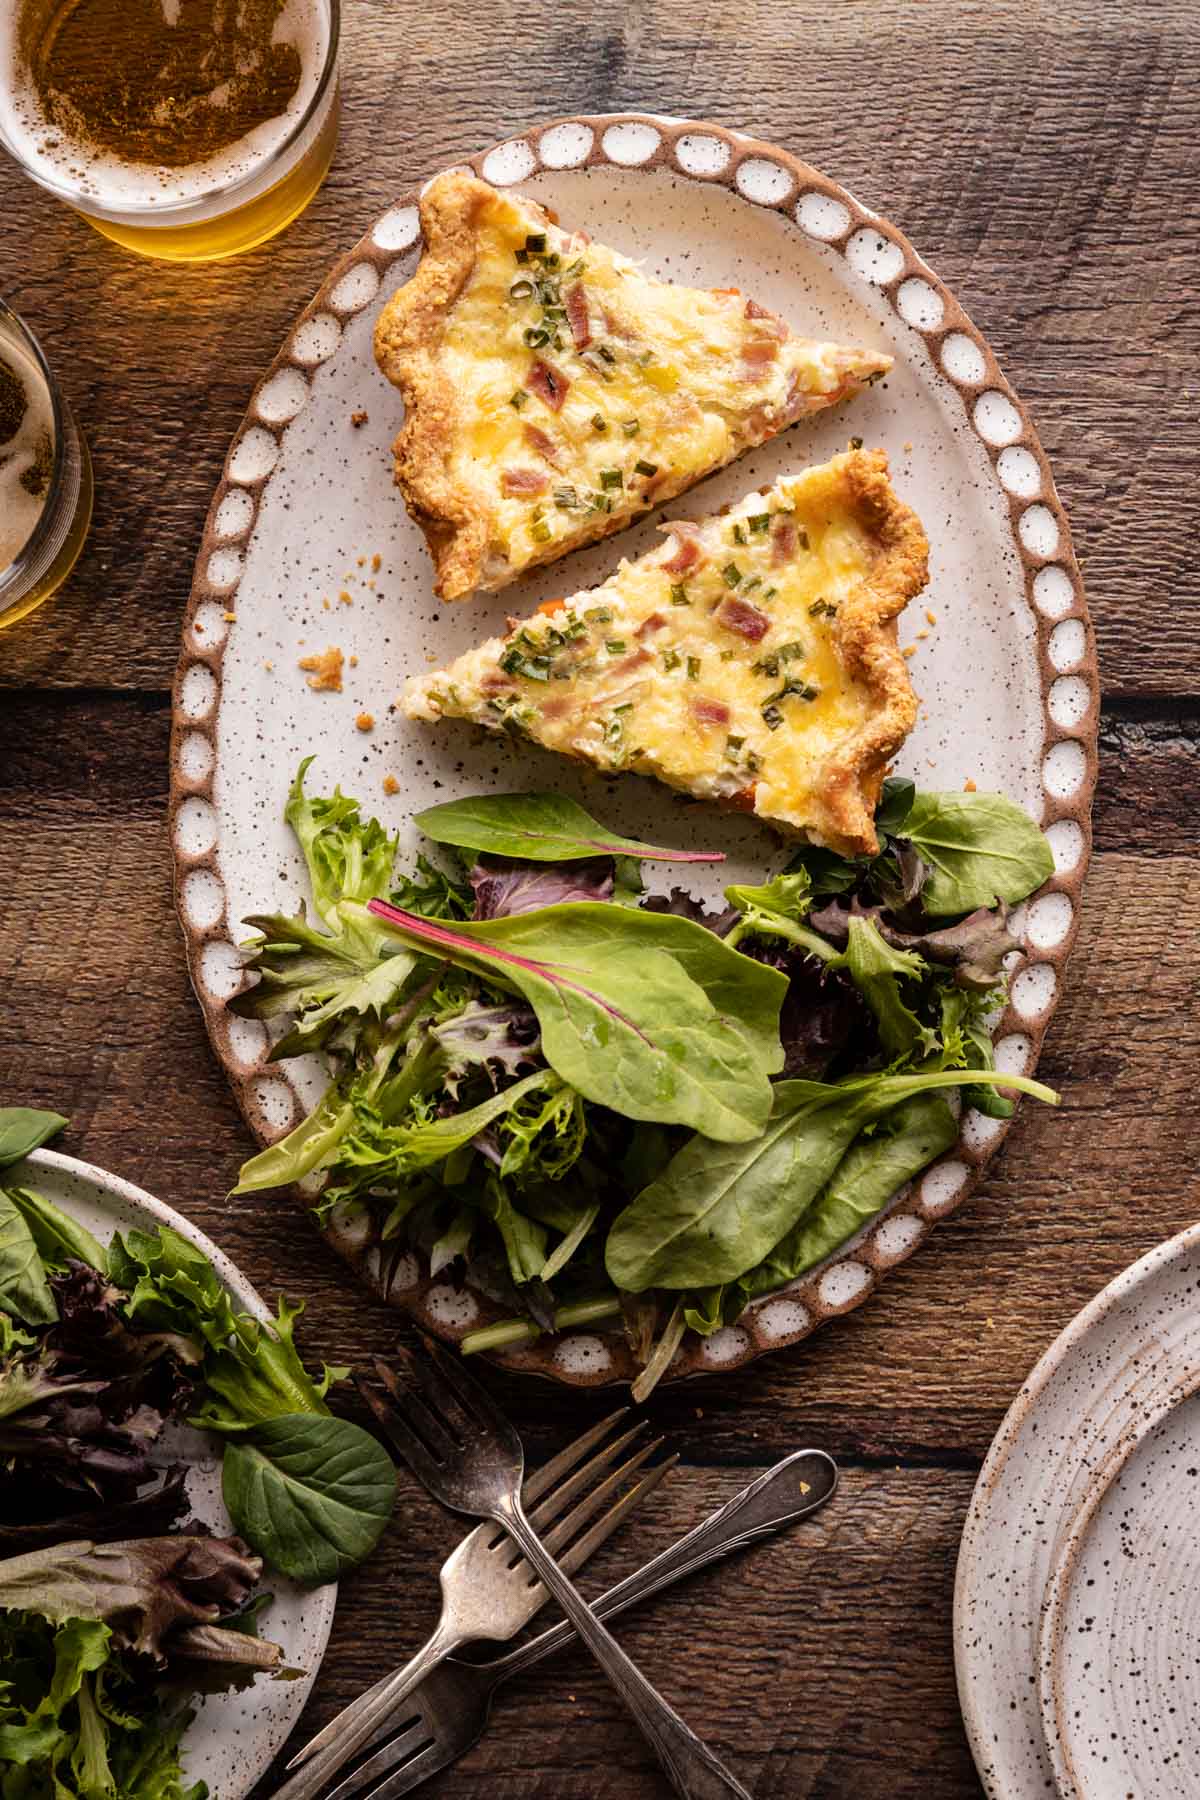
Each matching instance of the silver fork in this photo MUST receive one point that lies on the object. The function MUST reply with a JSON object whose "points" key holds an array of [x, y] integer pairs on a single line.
{"points": [[487, 1591], [458, 1443], [449, 1711]]}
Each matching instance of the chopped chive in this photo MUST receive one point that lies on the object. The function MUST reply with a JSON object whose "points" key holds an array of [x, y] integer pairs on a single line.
{"points": [[608, 354], [598, 615], [522, 256], [575, 267], [856, 443], [739, 536], [611, 478], [679, 595], [539, 531], [748, 587], [631, 427], [731, 574], [759, 523], [519, 399], [772, 717], [732, 746], [536, 336], [599, 422], [536, 241], [624, 707], [727, 656], [521, 288], [567, 498], [693, 668], [645, 468], [614, 646], [769, 593], [671, 659]]}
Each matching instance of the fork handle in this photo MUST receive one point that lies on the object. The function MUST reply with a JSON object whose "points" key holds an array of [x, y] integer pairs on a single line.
{"points": [[373, 1710], [694, 1771]]}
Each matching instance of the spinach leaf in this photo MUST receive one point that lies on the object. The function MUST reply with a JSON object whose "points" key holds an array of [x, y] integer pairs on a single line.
{"points": [[980, 849], [877, 970], [58, 1237], [24, 1290], [718, 1209], [644, 1013], [538, 828], [22, 1129], [905, 1142], [895, 803], [312, 1493]]}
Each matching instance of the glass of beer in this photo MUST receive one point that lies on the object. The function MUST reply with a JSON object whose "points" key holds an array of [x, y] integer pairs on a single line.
{"points": [[45, 476], [185, 129]]}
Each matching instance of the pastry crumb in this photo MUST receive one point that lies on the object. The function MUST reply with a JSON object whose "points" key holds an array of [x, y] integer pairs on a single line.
{"points": [[198, 628], [269, 667], [365, 721], [360, 561], [991, 1324], [922, 634], [325, 606], [931, 615], [376, 563], [969, 786], [390, 785], [359, 418], [909, 650], [354, 662], [325, 670], [230, 618], [345, 598]]}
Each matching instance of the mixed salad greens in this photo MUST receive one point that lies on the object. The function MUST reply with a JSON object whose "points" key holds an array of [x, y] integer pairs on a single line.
{"points": [[594, 1103], [115, 1608]]}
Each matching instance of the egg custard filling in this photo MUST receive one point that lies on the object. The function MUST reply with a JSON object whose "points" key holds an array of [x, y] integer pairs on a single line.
{"points": [[750, 660], [553, 391]]}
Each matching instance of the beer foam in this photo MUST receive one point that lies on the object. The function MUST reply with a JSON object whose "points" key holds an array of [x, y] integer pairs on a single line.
{"points": [[101, 182], [20, 509]]}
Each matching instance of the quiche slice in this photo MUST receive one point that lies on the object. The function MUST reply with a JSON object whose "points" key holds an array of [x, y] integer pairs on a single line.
{"points": [[553, 391], [751, 659]]}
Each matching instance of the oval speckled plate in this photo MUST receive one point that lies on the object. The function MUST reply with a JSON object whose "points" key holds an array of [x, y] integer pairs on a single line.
{"points": [[1076, 1635], [306, 513], [233, 1737]]}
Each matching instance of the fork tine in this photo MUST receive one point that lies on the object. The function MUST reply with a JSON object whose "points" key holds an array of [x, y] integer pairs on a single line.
{"points": [[543, 1479], [592, 1502], [576, 1484], [401, 1435], [470, 1394], [400, 1749], [604, 1527], [424, 1408], [426, 1380], [411, 1776]]}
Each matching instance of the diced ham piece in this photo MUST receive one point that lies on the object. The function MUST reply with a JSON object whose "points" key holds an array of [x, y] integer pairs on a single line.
{"points": [[783, 541], [577, 316], [688, 555], [710, 712], [738, 615], [653, 622], [743, 800], [635, 660], [757, 356], [754, 311], [548, 384], [523, 482], [543, 443]]}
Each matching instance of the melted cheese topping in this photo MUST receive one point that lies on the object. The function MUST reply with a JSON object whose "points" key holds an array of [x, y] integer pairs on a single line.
{"points": [[712, 663], [586, 389]]}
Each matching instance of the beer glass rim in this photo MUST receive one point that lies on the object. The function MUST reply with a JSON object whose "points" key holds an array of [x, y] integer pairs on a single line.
{"points": [[75, 195], [47, 517]]}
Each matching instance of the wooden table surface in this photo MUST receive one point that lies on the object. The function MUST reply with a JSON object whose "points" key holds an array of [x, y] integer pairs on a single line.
{"points": [[1042, 157]]}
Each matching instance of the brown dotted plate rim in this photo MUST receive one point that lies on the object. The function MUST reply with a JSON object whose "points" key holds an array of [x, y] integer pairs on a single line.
{"points": [[640, 142]]}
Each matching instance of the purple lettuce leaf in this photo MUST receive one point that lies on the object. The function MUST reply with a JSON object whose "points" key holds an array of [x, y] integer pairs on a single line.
{"points": [[975, 948], [504, 886]]}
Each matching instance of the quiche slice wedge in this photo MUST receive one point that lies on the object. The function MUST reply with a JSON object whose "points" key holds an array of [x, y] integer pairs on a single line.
{"points": [[751, 659], [553, 391]]}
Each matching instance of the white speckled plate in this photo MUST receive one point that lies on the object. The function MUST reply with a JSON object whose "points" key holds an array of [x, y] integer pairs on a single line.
{"points": [[233, 1738], [1006, 669], [1077, 1639]]}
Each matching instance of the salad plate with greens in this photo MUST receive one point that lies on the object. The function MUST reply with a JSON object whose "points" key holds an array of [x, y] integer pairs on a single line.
{"points": [[563, 1108], [177, 1495]]}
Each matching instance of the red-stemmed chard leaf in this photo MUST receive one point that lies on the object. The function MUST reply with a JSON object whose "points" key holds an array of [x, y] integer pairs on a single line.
{"points": [[644, 1013]]}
